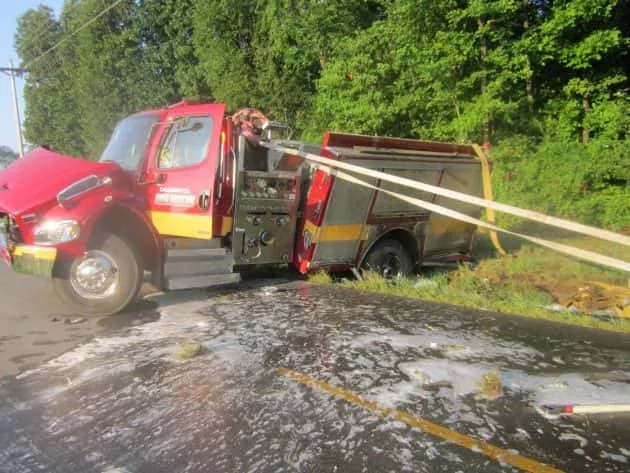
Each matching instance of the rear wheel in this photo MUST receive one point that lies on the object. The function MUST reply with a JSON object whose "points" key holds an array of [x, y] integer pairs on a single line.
{"points": [[105, 280], [390, 259]]}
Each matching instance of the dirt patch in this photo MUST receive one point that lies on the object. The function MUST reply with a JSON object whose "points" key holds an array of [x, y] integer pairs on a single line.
{"points": [[589, 296]]}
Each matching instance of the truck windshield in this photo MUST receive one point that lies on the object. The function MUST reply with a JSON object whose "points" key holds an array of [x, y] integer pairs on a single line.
{"points": [[128, 143]]}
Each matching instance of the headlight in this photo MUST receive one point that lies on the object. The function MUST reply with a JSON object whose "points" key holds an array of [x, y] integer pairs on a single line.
{"points": [[60, 231]]}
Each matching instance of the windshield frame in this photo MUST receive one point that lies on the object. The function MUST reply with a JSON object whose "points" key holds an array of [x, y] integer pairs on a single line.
{"points": [[134, 131]]}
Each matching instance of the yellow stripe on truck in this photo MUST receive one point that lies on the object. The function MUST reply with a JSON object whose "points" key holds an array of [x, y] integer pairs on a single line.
{"points": [[181, 224], [340, 232], [351, 232], [226, 225]]}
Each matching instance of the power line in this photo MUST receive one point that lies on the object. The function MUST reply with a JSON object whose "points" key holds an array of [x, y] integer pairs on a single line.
{"points": [[66, 10], [82, 27]]}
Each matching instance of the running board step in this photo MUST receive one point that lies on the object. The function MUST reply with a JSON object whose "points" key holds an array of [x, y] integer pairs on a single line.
{"points": [[191, 243], [194, 253], [190, 267], [201, 280]]}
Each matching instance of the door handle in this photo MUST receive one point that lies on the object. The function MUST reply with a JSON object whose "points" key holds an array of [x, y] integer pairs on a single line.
{"points": [[159, 179], [204, 200]]}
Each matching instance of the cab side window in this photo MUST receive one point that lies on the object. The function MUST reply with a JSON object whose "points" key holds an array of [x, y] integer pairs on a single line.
{"points": [[186, 143]]}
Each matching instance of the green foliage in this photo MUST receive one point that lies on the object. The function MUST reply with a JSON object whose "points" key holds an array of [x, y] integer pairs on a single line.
{"points": [[584, 182], [521, 283], [546, 82], [464, 288]]}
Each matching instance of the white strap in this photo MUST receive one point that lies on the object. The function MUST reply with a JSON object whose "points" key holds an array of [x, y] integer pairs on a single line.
{"points": [[510, 209], [568, 250]]}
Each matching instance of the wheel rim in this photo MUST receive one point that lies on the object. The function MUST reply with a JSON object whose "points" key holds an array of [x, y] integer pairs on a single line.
{"points": [[391, 266], [95, 276]]}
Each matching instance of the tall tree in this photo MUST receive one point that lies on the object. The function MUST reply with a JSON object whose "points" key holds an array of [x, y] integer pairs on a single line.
{"points": [[580, 43], [48, 118], [115, 71]]}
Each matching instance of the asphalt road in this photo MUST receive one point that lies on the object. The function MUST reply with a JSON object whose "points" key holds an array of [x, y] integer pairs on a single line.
{"points": [[35, 327], [293, 377]]}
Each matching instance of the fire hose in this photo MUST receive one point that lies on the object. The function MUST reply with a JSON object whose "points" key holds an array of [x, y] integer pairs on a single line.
{"points": [[337, 169]]}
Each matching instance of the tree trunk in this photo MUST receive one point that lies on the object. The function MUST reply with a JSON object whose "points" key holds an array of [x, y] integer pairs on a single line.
{"points": [[586, 133], [529, 86]]}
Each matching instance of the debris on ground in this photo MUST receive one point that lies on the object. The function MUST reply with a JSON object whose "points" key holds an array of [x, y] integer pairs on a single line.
{"points": [[188, 350], [424, 283], [74, 321], [490, 386], [591, 297]]}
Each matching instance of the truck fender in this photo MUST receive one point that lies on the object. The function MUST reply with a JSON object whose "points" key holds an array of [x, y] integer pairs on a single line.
{"points": [[405, 236], [134, 225]]}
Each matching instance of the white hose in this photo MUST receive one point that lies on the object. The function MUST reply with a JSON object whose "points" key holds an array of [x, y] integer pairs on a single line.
{"points": [[330, 164], [469, 199]]}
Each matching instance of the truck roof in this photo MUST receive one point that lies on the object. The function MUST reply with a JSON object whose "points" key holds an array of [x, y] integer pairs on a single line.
{"points": [[184, 104]]}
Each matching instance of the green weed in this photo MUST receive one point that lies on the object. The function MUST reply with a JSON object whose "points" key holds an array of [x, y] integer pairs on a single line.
{"points": [[188, 350]]}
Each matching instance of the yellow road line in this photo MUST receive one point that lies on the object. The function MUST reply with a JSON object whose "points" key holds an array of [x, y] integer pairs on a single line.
{"points": [[471, 443]]}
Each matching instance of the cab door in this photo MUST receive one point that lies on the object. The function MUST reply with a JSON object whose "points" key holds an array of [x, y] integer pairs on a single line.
{"points": [[181, 171]]}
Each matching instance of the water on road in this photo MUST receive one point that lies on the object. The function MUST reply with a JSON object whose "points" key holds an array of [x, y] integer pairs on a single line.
{"points": [[125, 402]]}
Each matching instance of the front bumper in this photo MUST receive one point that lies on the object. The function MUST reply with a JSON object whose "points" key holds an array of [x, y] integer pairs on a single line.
{"points": [[31, 259]]}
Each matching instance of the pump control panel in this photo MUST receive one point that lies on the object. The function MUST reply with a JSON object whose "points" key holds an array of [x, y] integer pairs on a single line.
{"points": [[265, 217]]}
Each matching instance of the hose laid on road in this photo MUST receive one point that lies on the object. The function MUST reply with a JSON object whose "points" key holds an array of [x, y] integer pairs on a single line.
{"points": [[556, 411], [451, 194]]}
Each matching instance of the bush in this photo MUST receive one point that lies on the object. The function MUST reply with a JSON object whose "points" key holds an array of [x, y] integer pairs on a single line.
{"points": [[588, 183]]}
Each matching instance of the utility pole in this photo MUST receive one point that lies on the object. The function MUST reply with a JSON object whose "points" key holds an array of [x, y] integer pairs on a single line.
{"points": [[12, 72]]}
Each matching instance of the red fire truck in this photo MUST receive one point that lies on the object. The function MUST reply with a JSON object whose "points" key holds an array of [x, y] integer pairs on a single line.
{"points": [[187, 194]]}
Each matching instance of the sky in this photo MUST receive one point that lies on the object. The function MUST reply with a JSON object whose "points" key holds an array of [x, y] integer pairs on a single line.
{"points": [[11, 10]]}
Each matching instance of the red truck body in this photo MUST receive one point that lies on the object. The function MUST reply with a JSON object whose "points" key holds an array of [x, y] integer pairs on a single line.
{"points": [[181, 193]]}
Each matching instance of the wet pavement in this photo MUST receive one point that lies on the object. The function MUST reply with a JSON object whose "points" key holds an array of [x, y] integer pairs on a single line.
{"points": [[35, 326], [123, 401]]}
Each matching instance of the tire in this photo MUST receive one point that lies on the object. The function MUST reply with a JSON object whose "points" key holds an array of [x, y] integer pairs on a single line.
{"points": [[390, 259], [104, 281]]}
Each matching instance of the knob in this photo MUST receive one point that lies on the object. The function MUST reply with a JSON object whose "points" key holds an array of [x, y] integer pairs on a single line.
{"points": [[266, 238]]}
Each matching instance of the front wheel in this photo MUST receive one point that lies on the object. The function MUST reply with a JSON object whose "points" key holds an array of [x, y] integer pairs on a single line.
{"points": [[390, 259], [105, 280]]}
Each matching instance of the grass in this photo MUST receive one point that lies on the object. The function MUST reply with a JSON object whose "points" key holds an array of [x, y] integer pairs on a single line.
{"points": [[529, 259], [523, 283]]}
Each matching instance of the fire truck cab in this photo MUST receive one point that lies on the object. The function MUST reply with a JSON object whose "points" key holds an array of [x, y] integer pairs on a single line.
{"points": [[188, 194]]}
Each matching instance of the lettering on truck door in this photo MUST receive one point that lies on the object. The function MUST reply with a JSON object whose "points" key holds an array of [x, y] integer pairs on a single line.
{"points": [[181, 173]]}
